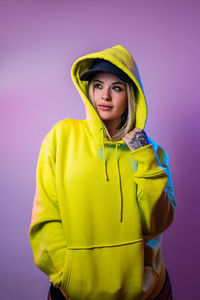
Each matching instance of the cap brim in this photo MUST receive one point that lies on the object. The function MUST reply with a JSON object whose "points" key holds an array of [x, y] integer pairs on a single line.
{"points": [[86, 76]]}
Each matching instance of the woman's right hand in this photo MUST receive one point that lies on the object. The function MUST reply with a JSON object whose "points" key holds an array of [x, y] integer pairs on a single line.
{"points": [[135, 139]]}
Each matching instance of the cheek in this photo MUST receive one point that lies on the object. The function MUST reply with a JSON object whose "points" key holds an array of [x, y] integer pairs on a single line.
{"points": [[95, 96], [122, 103]]}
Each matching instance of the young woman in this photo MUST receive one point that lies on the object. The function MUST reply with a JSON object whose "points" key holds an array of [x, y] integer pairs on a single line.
{"points": [[104, 193]]}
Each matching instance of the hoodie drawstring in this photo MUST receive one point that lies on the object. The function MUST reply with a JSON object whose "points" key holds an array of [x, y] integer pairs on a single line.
{"points": [[120, 186], [119, 175], [104, 157]]}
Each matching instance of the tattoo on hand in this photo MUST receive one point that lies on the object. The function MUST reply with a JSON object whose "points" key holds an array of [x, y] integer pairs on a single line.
{"points": [[138, 140]]}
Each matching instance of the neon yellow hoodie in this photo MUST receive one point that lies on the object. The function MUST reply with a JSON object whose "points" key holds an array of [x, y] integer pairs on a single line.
{"points": [[99, 208]]}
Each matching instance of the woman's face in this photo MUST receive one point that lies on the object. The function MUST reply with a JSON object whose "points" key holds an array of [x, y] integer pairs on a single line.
{"points": [[110, 97]]}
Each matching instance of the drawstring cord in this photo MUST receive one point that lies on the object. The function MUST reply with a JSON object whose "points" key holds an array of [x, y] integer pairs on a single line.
{"points": [[104, 157], [106, 173], [120, 186]]}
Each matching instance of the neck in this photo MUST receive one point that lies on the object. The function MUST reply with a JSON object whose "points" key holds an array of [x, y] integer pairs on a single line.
{"points": [[111, 126]]}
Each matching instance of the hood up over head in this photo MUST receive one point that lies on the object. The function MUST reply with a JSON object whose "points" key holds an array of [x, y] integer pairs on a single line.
{"points": [[120, 57]]}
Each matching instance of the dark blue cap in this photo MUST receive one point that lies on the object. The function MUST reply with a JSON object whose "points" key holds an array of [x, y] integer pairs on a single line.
{"points": [[102, 65]]}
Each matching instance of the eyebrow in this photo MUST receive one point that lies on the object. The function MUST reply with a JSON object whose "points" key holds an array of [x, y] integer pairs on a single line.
{"points": [[116, 82]]}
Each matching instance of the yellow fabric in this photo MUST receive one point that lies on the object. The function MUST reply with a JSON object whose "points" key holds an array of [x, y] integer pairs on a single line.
{"points": [[99, 208]]}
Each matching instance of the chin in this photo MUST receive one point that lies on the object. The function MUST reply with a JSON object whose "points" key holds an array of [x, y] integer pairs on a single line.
{"points": [[104, 116], [106, 119]]}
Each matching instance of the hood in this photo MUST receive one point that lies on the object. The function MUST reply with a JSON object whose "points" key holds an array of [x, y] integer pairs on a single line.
{"points": [[119, 56]]}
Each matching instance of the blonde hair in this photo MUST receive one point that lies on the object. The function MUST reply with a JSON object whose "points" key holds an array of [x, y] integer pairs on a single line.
{"points": [[129, 123]]}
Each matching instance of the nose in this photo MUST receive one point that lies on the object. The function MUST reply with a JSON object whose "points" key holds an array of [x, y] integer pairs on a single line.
{"points": [[106, 95]]}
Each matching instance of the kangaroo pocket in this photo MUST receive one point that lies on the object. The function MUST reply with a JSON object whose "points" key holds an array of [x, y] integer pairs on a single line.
{"points": [[109, 273]]}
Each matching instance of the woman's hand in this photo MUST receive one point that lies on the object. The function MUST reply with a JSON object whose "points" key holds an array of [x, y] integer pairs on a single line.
{"points": [[135, 139]]}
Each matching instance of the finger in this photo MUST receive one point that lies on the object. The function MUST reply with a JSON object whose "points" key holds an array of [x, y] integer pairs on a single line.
{"points": [[136, 129], [132, 132], [126, 140], [125, 136], [130, 135]]}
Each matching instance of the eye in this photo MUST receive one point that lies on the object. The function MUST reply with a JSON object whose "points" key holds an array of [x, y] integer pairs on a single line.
{"points": [[117, 88], [97, 86]]}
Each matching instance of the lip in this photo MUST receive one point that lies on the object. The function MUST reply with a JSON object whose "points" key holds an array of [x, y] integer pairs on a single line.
{"points": [[105, 107]]}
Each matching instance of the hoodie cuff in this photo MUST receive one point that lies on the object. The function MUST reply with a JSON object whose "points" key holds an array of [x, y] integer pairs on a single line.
{"points": [[146, 162]]}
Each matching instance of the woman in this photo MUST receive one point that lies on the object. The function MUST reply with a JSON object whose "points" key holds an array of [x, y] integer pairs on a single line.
{"points": [[104, 193]]}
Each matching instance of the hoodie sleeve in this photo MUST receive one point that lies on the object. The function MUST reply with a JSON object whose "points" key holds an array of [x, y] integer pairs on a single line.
{"points": [[154, 189], [46, 233]]}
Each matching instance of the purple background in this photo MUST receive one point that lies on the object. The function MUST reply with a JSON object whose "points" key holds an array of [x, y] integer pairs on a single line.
{"points": [[39, 40]]}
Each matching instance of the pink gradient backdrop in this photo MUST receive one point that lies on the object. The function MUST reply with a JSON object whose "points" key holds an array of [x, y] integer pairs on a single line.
{"points": [[39, 42]]}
